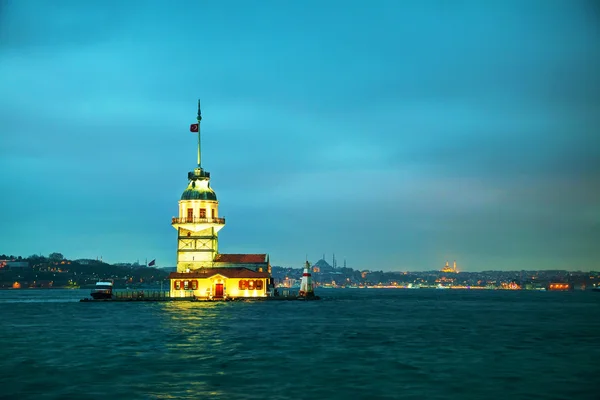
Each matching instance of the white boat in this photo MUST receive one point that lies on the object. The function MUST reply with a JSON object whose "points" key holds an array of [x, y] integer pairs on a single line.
{"points": [[102, 291]]}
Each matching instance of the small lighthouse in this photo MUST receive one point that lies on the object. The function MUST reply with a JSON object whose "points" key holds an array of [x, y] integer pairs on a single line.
{"points": [[306, 286]]}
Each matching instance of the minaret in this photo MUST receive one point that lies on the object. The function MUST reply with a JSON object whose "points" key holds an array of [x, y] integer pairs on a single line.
{"points": [[198, 223], [454, 265]]}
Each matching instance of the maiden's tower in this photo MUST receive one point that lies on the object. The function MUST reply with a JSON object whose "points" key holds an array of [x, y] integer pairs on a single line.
{"points": [[202, 271]]}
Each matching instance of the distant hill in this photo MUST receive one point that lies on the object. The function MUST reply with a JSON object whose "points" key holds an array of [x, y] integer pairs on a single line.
{"points": [[56, 271]]}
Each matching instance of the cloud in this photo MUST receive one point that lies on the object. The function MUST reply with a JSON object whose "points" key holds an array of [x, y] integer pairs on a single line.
{"points": [[397, 135]]}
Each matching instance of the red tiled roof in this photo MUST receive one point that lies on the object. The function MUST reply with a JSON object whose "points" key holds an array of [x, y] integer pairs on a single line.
{"points": [[241, 258], [226, 272]]}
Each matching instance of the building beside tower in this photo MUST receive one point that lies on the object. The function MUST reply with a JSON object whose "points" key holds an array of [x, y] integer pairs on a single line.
{"points": [[202, 271]]}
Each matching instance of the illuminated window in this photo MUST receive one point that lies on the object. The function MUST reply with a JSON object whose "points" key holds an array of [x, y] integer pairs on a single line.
{"points": [[177, 285], [212, 212], [194, 284], [186, 285], [251, 285], [259, 285], [203, 213], [243, 285], [190, 213]]}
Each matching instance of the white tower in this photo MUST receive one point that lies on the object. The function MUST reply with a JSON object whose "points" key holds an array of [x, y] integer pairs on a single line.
{"points": [[306, 286], [198, 222]]}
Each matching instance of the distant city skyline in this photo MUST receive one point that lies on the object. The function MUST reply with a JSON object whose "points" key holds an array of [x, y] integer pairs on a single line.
{"points": [[397, 135]]}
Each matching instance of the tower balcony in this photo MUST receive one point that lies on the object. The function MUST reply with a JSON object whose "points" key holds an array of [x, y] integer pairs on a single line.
{"points": [[198, 224], [218, 221]]}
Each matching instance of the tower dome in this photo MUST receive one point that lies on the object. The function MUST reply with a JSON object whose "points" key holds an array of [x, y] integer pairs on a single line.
{"points": [[199, 186], [199, 190]]}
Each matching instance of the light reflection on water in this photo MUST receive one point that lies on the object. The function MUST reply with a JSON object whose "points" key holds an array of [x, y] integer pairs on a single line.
{"points": [[352, 344]]}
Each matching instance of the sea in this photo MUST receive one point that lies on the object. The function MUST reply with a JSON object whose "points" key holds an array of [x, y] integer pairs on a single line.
{"points": [[352, 344]]}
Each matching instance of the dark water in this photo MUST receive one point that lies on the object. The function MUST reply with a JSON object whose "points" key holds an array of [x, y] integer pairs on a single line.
{"points": [[354, 344]]}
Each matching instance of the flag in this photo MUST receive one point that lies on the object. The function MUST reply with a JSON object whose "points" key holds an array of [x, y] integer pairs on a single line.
{"points": [[194, 127], [151, 263]]}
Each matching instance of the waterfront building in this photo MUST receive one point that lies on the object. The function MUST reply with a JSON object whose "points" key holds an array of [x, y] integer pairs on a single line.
{"points": [[202, 271], [560, 286]]}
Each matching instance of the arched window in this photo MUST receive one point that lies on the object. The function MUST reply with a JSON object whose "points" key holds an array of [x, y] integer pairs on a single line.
{"points": [[251, 284], [194, 284], [177, 285]]}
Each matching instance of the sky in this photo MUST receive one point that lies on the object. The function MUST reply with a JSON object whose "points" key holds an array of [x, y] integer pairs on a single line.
{"points": [[394, 134]]}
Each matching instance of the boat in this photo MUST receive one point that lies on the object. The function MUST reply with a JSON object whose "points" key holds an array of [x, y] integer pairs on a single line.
{"points": [[102, 291]]}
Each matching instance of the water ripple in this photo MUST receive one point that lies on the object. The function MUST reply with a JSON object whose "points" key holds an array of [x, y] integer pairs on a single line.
{"points": [[358, 344]]}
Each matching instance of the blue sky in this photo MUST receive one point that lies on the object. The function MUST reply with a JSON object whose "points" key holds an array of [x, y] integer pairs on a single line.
{"points": [[397, 135]]}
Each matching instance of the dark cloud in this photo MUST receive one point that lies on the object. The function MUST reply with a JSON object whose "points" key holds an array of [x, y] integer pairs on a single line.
{"points": [[504, 156], [41, 24]]}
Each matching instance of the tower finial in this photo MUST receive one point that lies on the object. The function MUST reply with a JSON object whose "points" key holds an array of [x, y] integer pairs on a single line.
{"points": [[199, 118]]}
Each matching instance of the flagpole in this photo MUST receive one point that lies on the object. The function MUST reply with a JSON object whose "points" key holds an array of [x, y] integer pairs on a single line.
{"points": [[199, 118]]}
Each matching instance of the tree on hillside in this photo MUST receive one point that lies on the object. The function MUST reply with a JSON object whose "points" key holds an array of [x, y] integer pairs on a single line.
{"points": [[56, 257]]}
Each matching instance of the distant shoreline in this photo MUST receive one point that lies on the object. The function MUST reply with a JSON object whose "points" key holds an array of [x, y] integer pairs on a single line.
{"points": [[41, 288]]}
